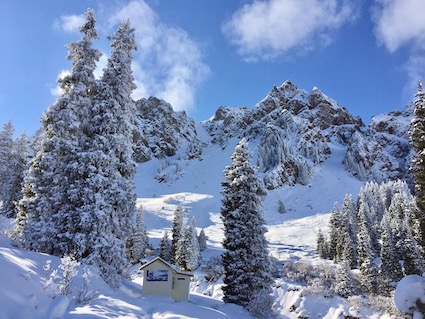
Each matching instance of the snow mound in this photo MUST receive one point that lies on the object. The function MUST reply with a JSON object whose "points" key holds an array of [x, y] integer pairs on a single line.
{"points": [[410, 291]]}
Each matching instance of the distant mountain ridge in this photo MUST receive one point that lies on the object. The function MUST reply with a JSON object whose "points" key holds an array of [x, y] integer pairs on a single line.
{"points": [[291, 130]]}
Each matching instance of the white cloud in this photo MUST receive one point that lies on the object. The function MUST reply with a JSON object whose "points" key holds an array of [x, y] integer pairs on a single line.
{"points": [[401, 23], [70, 23], [266, 29], [167, 64]]}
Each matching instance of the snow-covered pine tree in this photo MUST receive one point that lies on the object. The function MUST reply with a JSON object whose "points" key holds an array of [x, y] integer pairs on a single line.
{"points": [[322, 245], [376, 201], [374, 209], [344, 281], [187, 255], [13, 182], [6, 155], [202, 240], [396, 212], [138, 241], [366, 257], [107, 152], [349, 208], [245, 260], [165, 248], [177, 232], [390, 270], [192, 247], [417, 141], [334, 225], [413, 262], [49, 219], [346, 248]]}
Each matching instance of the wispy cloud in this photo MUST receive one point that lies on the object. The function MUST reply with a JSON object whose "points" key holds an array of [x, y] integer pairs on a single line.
{"points": [[168, 63], [266, 29], [70, 23], [401, 23]]}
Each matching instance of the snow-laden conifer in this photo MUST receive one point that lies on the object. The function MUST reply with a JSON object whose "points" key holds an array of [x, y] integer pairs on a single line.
{"points": [[346, 248], [177, 232], [366, 256], [413, 262], [417, 141], [109, 168], [334, 224], [390, 270], [13, 181], [344, 281], [79, 193], [322, 245], [192, 246], [202, 240], [6, 155], [165, 248], [245, 260], [138, 241], [52, 187]]}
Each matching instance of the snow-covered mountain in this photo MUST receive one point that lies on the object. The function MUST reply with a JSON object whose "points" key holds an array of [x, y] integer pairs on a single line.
{"points": [[292, 133]]}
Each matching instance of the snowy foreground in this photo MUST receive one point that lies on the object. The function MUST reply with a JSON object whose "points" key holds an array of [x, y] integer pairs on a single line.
{"points": [[28, 290]]}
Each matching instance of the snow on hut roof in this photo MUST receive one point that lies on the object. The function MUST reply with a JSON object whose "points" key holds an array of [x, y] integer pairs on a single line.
{"points": [[174, 268]]}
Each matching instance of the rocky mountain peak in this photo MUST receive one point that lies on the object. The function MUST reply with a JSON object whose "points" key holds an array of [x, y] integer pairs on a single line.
{"points": [[163, 132], [291, 133]]}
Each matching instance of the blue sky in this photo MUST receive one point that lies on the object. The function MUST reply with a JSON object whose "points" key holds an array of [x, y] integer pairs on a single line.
{"points": [[198, 55]]}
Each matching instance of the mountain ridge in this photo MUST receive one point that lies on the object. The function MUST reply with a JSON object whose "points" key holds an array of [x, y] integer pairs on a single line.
{"points": [[294, 130]]}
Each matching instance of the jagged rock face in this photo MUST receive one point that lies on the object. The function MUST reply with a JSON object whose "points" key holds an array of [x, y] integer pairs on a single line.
{"points": [[290, 144], [163, 132], [382, 151], [278, 160], [290, 132], [320, 110]]}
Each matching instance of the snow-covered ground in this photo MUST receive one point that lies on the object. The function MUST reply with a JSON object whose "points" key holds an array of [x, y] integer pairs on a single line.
{"points": [[24, 276]]}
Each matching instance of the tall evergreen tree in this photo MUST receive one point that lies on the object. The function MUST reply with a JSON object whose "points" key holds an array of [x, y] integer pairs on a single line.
{"points": [[344, 281], [334, 224], [245, 260], [366, 257], [346, 248], [194, 251], [79, 193], [202, 240], [188, 253], [417, 140], [165, 248], [108, 155], [413, 262], [6, 156], [396, 213], [322, 245], [138, 241], [52, 194], [12, 191], [177, 232], [390, 269]]}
